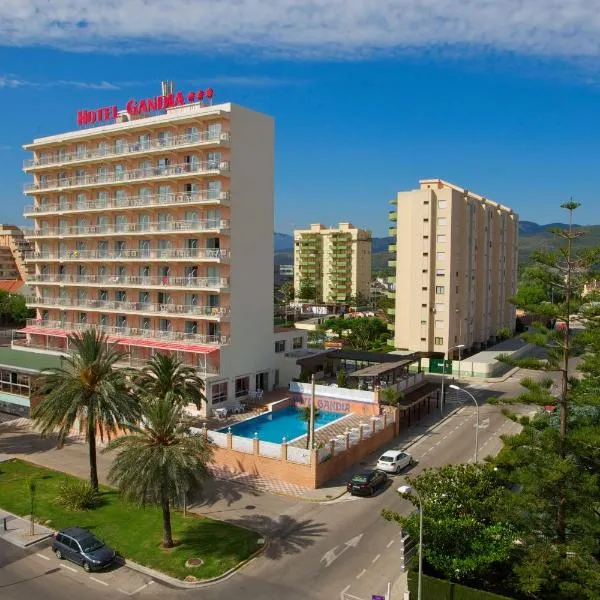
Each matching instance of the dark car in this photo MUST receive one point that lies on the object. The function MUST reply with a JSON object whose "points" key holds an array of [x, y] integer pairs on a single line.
{"points": [[367, 482], [81, 547]]}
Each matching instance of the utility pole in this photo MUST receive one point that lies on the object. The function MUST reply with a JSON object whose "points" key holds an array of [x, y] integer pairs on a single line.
{"points": [[311, 436]]}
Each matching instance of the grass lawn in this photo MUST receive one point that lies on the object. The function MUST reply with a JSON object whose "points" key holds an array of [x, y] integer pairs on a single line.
{"points": [[135, 533]]}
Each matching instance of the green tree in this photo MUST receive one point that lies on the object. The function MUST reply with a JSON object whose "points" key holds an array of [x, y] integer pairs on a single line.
{"points": [[361, 333], [538, 285], [167, 377], [286, 292], [160, 462], [305, 416], [88, 389], [462, 539], [308, 291]]}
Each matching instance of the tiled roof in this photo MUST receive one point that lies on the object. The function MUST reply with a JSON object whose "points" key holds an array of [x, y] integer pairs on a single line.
{"points": [[11, 285]]}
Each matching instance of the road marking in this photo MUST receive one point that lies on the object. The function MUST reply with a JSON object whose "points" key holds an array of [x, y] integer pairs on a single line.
{"points": [[42, 556], [361, 574], [332, 555], [68, 567], [390, 543], [376, 558], [99, 581], [343, 593]]}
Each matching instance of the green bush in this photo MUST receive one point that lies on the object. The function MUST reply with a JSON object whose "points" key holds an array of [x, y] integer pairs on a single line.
{"points": [[441, 589], [76, 494]]}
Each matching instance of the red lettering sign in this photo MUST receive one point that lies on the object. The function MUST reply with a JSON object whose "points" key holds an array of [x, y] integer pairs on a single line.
{"points": [[141, 106]]}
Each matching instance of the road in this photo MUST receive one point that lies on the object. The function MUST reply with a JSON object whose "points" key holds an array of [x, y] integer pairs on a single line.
{"points": [[328, 551]]}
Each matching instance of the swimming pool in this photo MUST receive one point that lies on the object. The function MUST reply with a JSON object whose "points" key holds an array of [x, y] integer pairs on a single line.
{"points": [[273, 426]]}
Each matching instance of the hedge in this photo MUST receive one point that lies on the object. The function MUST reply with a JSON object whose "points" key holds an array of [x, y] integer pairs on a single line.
{"points": [[441, 589]]}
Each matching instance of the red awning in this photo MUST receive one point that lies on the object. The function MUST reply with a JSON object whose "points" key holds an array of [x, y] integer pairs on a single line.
{"points": [[130, 341]]}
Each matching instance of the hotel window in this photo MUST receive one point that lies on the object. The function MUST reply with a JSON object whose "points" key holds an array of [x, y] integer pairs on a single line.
{"points": [[62, 154], [80, 150], [214, 131], [102, 249], [80, 200], [120, 247], [121, 296], [144, 141], [192, 135], [145, 323], [440, 307], [439, 323], [81, 294], [165, 325], [242, 387], [120, 198], [63, 202], [145, 167], [120, 223], [121, 321], [120, 145], [438, 341], [144, 297], [101, 174], [103, 320], [103, 148], [144, 224], [163, 165], [164, 194], [192, 163], [441, 239], [213, 159], [83, 318], [119, 171], [219, 392], [423, 322], [442, 203], [103, 295], [101, 199], [213, 189], [442, 221], [279, 346], [191, 327], [121, 272], [439, 289], [440, 273], [441, 256], [164, 138]]}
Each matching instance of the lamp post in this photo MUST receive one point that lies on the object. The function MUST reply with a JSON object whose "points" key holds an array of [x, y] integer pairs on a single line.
{"points": [[455, 387], [407, 489], [447, 353]]}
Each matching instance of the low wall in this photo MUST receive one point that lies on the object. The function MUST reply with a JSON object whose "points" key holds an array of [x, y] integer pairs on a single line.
{"points": [[337, 399]]}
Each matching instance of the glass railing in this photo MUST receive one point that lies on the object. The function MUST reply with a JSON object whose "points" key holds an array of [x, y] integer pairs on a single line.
{"points": [[154, 254], [128, 148], [129, 175], [205, 196], [125, 306], [133, 280], [156, 334], [125, 228]]}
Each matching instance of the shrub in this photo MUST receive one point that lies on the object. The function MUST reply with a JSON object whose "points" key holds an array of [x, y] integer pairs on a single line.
{"points": [[76, 494]]}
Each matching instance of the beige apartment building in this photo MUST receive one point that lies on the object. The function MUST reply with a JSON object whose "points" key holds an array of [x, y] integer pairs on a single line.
{"points": [[13, 247], [157, 228], [335, 261], [456, 267]]}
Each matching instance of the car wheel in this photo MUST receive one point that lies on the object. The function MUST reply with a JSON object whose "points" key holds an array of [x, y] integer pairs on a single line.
{"points": [[59, 554], [411, 461], [398, 469], [86, 567]]}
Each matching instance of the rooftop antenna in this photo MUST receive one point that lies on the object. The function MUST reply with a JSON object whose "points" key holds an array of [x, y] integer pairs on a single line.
{"points": [[166, 87]]}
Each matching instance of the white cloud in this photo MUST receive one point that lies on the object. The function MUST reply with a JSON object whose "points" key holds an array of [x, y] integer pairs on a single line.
{"points": [[335, 28], [10, 81]]}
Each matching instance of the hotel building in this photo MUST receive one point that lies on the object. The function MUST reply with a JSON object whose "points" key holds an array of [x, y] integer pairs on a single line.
{"points": [[335, 261], [157, 228], [456, 268]]}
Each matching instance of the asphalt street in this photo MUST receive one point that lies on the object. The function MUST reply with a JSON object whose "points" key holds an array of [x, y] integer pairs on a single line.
{"points": [[342, 549]]}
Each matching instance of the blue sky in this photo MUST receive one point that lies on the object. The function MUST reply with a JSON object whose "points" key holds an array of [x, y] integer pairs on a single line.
{"points": [[505, 103]]}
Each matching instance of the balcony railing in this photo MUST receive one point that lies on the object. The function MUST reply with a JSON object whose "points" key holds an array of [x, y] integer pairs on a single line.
{"points": [[174, 310], [122, 255], [127, 149], [205, 196], [190, 282], [129, 228], [130, 175], [134, 332]]}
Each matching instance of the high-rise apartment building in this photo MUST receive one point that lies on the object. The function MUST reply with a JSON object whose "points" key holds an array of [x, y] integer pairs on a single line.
{"points": [[157, 228], [13, 247], [456, 268], [336, 262]]}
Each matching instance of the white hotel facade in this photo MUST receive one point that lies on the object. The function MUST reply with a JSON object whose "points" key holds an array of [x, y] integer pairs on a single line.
{"points": [[158, 230]]}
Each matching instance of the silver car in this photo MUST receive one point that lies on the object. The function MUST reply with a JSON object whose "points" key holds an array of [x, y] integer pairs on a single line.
{"points": [[393, 461]]}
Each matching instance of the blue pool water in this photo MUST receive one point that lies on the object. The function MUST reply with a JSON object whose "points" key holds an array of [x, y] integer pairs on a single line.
{"points": [[273, 426]]}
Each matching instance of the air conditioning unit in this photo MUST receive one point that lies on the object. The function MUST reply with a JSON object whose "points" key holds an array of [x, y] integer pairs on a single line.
{"points": [[224, 137], [223, 195], [224, 165]]}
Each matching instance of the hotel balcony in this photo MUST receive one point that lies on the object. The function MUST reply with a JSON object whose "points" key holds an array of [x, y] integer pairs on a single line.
{"points": [[130, 176], [392, 232], [219, 255], [127, 335], [189, 282], [129, 149], [212, 225], [393, 215], [217, 313], [162, 200], [392, 249], [391, 264]]}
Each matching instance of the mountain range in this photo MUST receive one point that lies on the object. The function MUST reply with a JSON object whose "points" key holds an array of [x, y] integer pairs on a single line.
{"points": [[531, 236]]}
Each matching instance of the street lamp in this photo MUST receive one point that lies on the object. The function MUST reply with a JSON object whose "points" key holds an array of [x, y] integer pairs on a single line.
{"points": [[455, 387], [447, 353], [407, 489]]}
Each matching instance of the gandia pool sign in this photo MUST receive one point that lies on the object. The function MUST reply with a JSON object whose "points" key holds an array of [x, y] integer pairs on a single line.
{"points": [[143, 106]]}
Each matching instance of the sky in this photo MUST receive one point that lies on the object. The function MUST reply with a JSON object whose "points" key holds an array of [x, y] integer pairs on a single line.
{"points": [[498, 96]]}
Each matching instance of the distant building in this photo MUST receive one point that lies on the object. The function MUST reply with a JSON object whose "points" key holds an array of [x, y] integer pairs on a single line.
{"points": [[336, 261], [286, 271], [13, 247], [456, 268]]}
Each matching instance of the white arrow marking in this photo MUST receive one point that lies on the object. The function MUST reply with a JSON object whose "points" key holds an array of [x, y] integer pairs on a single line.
{"points": [[483, 425], [331, 555]]}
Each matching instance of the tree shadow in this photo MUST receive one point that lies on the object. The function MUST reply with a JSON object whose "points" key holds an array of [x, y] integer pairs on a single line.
{"points": [[286, 534], [220, 490], [28, 442]]}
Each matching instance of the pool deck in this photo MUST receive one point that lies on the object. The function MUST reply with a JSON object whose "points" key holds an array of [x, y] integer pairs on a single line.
{"points": [[325, 434]]}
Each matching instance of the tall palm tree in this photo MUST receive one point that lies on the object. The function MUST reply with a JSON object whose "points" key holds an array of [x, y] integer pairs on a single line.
{"points": [[160, 462], [305, 416], [166, 376], [88, 389]]}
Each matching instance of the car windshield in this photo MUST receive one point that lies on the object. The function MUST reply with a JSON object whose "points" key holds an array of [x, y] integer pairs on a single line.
{"points": [[360, 478], [89, 544], [386, 459]]}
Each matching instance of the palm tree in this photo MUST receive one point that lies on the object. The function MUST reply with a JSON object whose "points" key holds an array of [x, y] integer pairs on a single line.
{"points": [[165, 376], [88, 389], [160, 462], [305, 416]]}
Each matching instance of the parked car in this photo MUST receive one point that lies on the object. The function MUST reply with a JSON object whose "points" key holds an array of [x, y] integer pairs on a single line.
{"points": [[80, 546], [367, 482], [393, 461]]}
